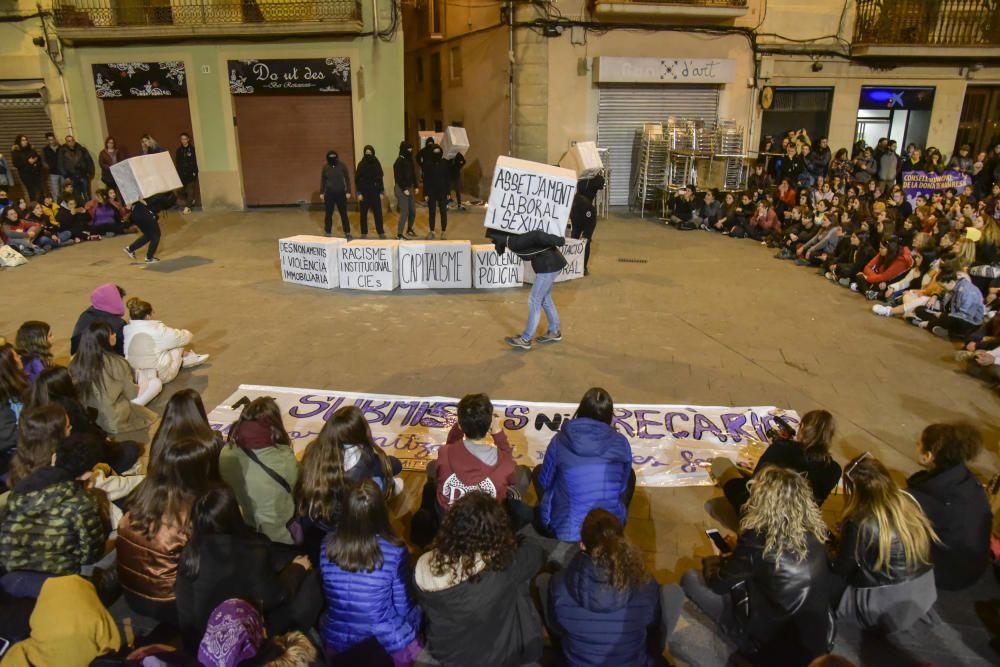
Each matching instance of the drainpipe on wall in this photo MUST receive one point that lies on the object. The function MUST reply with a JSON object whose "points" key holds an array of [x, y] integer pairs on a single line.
{"points": [[65, 93], [510, 77], [374, 19]]}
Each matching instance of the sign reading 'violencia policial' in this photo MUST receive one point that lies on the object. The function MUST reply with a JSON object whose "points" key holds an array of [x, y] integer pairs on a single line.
{"points": [[525, 196]]}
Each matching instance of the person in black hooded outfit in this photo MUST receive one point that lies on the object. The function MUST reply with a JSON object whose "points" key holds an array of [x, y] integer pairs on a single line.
{"points": [[334, 191], [455, 165], [406, 181], [146, 216], [371, 190], [437, 180]]}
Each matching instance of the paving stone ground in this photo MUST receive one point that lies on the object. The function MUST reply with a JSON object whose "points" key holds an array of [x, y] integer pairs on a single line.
{"points": [[705, 320]]}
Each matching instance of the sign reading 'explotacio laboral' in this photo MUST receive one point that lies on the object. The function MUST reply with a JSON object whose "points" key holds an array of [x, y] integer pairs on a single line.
{"points": [[670, 443], [526, 196]]}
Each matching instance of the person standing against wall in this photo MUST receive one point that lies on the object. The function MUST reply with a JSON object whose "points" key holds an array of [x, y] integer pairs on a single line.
{"points": [[334, 191], [110, 156], [187, 168], [455, 165], [76, 164], [405, 176], [29, 167], [150, 145], [437, 179], [51, 156], [370, 180]]}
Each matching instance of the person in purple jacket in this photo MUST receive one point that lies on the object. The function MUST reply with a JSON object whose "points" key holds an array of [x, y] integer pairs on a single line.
{"points": [[367, 581], [588, 465]]}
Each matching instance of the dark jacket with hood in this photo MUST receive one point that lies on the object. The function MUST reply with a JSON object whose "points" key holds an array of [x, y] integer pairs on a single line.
{"points": [[403, 170], [538, 247], [823, 473], [75, 161], [437, 177], [334, 179], [487, 620], [955, 502], [369, 176], [424, 154], [455, 165], [460, 471], [857, 554], [598, 624], [586, 467], [187, 163], [51, 524], [106, 304], [28, 164]]}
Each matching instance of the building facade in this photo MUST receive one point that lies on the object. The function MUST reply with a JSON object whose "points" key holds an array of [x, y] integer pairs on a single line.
{"points": [[265, 88], [531, 79]]}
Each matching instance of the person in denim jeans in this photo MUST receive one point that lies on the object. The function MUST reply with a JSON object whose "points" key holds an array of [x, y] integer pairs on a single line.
{"points": [[542, 250]]}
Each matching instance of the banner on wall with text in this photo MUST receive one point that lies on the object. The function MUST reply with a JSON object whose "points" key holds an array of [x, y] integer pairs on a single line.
{"points": [[670, 443], [925, 182]]}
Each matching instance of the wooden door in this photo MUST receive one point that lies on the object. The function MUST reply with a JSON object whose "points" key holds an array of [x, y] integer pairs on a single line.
{"points": [[283, 141], [979, 125], [163, 118]]}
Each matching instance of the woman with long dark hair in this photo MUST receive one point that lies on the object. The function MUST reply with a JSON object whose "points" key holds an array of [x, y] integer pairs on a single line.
{"points": [[474, 588], [184, 418], [258, 463], [891, 262], [884, 551], [605, 608], [587, 465], [224, 559], [109, 156], [367, 580], [157, 526], [106, 382], [29, 166], [34, 344], [13, 388]]}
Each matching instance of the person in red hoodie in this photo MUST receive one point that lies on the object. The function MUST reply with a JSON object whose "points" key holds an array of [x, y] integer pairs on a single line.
{"points": [[764, 225], [476, 458], [890, 263]]}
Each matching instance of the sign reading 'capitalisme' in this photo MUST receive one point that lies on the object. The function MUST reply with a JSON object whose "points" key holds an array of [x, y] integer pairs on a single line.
{"points": [[314, 76]]}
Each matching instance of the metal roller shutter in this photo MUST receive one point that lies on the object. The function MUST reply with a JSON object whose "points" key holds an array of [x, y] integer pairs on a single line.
{"points": [[623, 109], [22, 115]]}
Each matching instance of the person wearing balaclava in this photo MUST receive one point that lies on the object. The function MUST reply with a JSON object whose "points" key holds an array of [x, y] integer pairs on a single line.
{"points": [[437, 180], [334, 191], [424, 154], [405, 176], [455, 165], [371, 190]]}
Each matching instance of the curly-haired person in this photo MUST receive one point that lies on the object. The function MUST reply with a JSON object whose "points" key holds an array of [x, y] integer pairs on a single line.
{"points": [[474, 588]]}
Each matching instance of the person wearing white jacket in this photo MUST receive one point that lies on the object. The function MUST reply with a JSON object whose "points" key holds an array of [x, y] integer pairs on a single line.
{"points": [[156, 351]]}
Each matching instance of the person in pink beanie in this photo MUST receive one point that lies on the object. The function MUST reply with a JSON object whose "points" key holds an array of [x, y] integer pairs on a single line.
{"points": [[106, 303]]}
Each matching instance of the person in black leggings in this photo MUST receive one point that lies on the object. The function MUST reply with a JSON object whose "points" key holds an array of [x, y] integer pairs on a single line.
{"points": [[146, 216], [437, 182]]}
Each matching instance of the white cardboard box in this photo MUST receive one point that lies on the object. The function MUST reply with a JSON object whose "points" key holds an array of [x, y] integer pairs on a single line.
{"points": [[525, 196], [369, 265], [573, 252], [583, 158], [435, 265], [310, 260], [145, 175], [493, 271], [455, 141]]}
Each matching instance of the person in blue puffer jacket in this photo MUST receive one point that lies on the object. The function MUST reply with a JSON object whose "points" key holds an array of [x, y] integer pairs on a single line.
{"points": [[605, 608], [367, 582], [587, 465]]}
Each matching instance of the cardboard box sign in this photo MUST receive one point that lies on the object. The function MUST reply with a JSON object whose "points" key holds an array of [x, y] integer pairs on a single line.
{"points": [[525, 196], [310, 260], [369, 265], [145, 175], [583, 158], [435, 265], [423, 134], [493, 271], [573, 252], [455, 141]]}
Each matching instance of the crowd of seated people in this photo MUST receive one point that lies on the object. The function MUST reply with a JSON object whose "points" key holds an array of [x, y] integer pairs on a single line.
{"points": [[933, 261], [234, 551]]}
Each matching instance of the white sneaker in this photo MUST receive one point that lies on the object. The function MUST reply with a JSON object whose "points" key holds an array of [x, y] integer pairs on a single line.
{"points": [[398, 486], [187, 209], [854, 287], [192, 360], [882, 310]]}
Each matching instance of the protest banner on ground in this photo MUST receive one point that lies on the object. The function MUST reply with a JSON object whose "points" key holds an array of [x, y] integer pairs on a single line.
{"points": [[310, 260], [525, 196], [145, 175], [493, 271], [435, 265], [670, 443], [573, 251], [924, 183], [369, 265]]}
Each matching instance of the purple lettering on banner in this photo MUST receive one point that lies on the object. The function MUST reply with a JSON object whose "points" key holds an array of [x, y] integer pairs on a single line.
{"points": [[438, 415], [758, 427], [301, 435], [691, 463], [652, 461], [734, 423], [642, 424], [516, 419], [619, 424], [395, 407], [309, 399], [369, 408], [668, 421], [542, 420], [702, 424]]}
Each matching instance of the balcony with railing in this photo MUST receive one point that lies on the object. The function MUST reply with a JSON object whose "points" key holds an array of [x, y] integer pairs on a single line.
{"points": [[127, 20], [927, 28], [684, 10]]}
